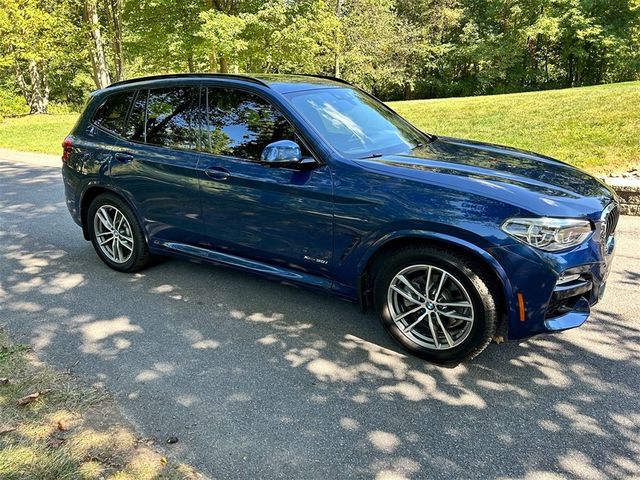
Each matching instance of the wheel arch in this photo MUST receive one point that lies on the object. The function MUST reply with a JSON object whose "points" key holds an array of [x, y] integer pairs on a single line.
{"points": [[90, 194], [405, 239]]}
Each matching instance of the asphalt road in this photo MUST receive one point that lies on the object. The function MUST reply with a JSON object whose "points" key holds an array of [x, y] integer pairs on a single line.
{"points": [[261, 380]]}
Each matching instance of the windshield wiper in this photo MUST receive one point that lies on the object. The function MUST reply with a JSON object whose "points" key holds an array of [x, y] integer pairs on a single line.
{"points": [[417, 145]]}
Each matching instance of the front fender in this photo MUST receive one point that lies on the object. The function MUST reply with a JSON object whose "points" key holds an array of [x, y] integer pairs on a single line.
{"points": [[444, 239]]}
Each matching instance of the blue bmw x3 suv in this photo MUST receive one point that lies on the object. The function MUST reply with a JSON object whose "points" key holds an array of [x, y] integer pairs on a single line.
{"points": [[313, 182]]}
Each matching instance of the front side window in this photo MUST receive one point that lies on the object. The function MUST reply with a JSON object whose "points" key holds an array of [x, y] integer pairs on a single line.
{"points": [[113, 112], [240, 124], [355, 124]]}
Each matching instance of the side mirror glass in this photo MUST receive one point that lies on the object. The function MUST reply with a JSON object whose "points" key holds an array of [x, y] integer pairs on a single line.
{"points": [[283, 153]]}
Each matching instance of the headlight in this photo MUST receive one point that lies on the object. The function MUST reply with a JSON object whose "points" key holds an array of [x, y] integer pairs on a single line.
{"points": [[549, 234]]}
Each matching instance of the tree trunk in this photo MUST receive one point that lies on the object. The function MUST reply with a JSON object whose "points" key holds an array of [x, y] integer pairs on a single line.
{"points": [[190, 63], [224, 65], [114, 9], [569, 71], [45, 86], [227, 6], [408, 91], [546, 64], [22, 83], [98, 61], [213, 61], [39, 94], [336, 62]]}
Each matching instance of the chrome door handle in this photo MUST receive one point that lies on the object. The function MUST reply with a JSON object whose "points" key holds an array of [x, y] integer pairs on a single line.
{"points": [[217, 173]]}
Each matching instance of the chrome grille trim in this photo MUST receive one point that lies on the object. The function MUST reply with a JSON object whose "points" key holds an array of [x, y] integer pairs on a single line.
{"points": [[610, 217]]}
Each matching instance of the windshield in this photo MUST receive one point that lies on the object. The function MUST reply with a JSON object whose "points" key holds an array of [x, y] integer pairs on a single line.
{"points": [[355, 124]]}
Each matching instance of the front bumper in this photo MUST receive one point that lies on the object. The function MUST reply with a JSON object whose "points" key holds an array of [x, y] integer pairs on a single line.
{"points": [[549, 303], [570, 303]]}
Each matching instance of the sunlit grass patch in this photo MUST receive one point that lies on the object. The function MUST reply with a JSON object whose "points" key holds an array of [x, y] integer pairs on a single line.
{"points": [[71, 431], [34, 460], [36, 133], [594, 128]]}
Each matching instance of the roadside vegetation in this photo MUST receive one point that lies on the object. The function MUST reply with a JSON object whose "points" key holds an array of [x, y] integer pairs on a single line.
{"points": [[396, 49], [36, 133], [594, 128], [52, 428]]}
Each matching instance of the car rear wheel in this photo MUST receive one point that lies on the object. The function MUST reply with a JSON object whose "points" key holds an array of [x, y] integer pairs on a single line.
{"points": [[440, 305], [116, 235]]}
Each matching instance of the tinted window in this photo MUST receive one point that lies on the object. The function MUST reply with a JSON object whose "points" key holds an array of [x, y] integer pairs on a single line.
{"points": [[240, 124], [135, 124], [354, 123], [112, 113], [171, 118]]}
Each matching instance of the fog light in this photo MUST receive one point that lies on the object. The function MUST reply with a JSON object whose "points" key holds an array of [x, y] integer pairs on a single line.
{"points": [[567, 278]]}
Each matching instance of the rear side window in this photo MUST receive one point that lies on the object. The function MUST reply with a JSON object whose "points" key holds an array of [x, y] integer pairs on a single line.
{"points": [[240, 124], [171, 119], [113, 112], [135, 125]]}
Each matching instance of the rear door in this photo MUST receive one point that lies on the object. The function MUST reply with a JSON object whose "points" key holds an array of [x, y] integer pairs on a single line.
{"points": [[280, 216], [155, 165]]}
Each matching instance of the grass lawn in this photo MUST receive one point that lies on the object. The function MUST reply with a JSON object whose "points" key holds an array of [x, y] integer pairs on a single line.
{"points": [[36, 133], [70, 431], [594, 128]]}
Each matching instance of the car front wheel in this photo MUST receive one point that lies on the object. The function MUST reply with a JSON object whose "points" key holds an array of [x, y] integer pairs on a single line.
{"points": [[440, 305]]}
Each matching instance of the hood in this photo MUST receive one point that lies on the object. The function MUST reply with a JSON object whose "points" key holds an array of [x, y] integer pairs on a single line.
{"points": [[530, 181]]}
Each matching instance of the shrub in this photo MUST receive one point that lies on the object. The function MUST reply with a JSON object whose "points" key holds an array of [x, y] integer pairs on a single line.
{"points": [[56, 108], [12, 105]]}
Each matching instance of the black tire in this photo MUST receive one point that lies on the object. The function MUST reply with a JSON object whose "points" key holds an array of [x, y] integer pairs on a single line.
{"points": [[140, 257], [471, 274]]}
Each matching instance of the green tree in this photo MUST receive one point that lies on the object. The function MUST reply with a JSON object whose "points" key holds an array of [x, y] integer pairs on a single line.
{"points": [[376, 46], [58, 50], [163, 36], [33, 48], [223, 34]]}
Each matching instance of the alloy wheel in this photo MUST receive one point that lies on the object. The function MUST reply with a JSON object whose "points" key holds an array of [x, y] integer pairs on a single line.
{"points": [[430, 306], [113, 234]]}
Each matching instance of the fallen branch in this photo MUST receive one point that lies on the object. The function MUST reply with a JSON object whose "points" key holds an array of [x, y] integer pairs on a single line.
{"points": [[32, 397]]}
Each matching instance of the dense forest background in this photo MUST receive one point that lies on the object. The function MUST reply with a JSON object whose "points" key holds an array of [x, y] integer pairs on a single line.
{"points": [[53, 52]]}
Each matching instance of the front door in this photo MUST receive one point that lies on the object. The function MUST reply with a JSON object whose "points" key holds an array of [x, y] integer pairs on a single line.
{"points": [[280, 216]]}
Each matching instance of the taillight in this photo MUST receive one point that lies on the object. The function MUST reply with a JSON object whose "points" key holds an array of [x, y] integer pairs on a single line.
{"points": [[67, 147]]}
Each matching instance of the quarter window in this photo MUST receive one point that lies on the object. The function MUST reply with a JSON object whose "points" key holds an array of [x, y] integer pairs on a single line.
{"points": [[113, 112], [241, 124]]}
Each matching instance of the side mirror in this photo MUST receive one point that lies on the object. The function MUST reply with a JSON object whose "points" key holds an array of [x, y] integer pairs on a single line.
{"points": [[283, 153]]}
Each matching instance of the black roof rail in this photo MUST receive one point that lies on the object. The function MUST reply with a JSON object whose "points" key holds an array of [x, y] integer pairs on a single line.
{"points": [[326, 77], [166, 76]]}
